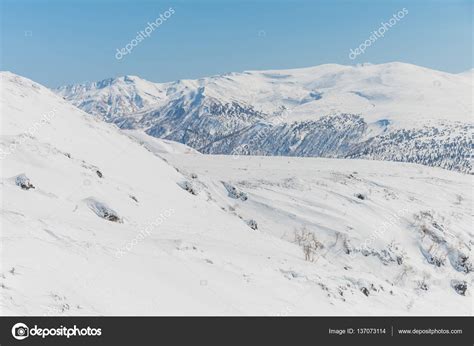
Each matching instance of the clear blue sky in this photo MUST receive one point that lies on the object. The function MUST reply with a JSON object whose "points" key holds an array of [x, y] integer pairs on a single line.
{"points": [[61, 42]]}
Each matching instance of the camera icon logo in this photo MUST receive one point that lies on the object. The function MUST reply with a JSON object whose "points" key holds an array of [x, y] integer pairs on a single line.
{"points": [[20, 331]]}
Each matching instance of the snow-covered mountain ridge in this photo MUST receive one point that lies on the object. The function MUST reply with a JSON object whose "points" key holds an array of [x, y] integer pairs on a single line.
{"points": [[394, 111], [98, 221]]}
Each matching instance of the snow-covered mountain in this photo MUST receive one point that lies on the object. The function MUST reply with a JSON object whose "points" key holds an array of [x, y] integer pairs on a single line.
{"points": [[394, 111], [115, 97], [98, 221]]}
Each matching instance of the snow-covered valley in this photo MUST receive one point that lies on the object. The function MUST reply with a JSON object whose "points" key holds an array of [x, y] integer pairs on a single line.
{"points": [[101, 221]]}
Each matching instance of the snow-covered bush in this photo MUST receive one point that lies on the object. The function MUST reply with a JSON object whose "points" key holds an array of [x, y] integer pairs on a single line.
{"points": [[347, 246], [393, 253], [189, 186], [459, 286], [365, 291], [102, 210], [438, 242], [431, 226], [234, 192], [24, 182], [252, 224], [434, 254], [423, 283], [460, 261], [364, 286]]}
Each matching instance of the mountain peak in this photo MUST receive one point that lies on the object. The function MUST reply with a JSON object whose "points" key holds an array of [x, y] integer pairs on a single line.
{"points": [[309, 92]]}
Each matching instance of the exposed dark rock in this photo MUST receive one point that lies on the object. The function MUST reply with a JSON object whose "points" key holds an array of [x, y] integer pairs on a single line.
{"points": [[459, 286], [24, 182], [252, 224]]}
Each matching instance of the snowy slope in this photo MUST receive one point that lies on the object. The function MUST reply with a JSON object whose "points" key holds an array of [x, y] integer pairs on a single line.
{"points": [[59, 257], [394, 111], [404, 225], [94, 221]]}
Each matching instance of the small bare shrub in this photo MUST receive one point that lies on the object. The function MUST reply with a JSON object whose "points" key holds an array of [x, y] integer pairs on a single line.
{"points": [[310, 245]]}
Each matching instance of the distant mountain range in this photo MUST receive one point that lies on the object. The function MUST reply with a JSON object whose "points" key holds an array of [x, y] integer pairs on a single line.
{"points": [[394, 111]]}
